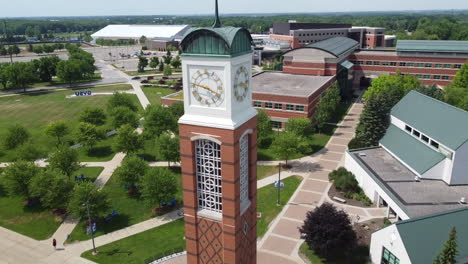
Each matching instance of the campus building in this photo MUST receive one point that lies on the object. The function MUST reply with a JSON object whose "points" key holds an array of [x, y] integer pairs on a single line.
{"points": [[420, 166], [419, 240]]}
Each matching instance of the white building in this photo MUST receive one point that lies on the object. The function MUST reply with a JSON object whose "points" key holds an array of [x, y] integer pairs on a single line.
{"points": [[152, 32], [419, 240], [421, 165]]}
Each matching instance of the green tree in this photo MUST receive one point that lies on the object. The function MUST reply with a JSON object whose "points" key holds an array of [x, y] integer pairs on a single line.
{"points": [[143, 40], [88, 193], [46, 67], [457, 93], [157, 186], [161, 67], [17, 178], [16, 135], [132, 170], [322, 113], [4, 78], [38, 49], [88, 135], [374, 121], [264, 128], [65, 159], [69, 71], [168, 58], [177, 110], [287, 145], [93, 115], [123, 116], [398, 83], [121, 99], [154, 62], [158, 119], [128, 140], [167, 70], [28, 151], [300, 126], [21, 74], [142, 63], [58, 130], [176, 62], [53, 188], [167, 148], [449, 253]]}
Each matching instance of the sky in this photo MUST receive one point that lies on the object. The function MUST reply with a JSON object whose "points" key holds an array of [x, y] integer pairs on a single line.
{"points": [[37, 8]]}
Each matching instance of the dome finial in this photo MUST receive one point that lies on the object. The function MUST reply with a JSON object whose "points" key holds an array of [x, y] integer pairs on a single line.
{"points": [[217, 23]]}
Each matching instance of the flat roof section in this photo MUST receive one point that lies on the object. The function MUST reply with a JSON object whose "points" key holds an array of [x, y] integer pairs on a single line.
{"points": [[414, 198], [286, 84], [449, 46]]}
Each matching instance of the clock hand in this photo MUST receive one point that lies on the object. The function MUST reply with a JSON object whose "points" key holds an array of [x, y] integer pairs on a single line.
{"points": [[207, 88]]}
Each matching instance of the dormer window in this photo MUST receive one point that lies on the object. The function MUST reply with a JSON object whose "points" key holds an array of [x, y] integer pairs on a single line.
{"points": [[434, 144], [408, 128], [416, 133]]}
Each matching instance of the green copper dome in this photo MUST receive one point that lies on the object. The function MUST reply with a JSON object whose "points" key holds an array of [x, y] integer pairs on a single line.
{"points": [[217, 41]]}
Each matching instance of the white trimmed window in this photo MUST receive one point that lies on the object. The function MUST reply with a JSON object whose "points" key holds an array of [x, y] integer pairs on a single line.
{"points": [[208, 156], [244, 171]]}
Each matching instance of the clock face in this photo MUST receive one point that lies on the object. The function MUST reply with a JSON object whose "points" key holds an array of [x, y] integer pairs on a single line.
{"points": [[207, 88], [241, 83]]}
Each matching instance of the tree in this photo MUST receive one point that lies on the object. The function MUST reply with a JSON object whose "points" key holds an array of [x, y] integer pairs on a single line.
{"points": [[142, 63], [65, 159], [123, 116], [161, 67], [88, 135], [461, 78], [28, 151], [128, 140], [300, 126], [287, 144], [93, 115], [158, 119], [69, 71], [176, 62], [374, 121], [88, 193], [432, 91], [16, 135], [168, 58], [154, 62], [264, 128], [4, 78], [168, 148], [53, 188], [398, 83], [21, 74], [58, 130], [38, 49], [142, 40], [46, 67], [449, 253], [328, 231], [457, 93], [177, 110], [167, 70], [121, 99], [157, 186], [18, 176], [327, 105], [132, 170]]}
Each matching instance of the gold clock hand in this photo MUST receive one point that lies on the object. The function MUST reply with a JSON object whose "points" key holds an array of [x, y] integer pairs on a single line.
{"points": [[207, 88]]}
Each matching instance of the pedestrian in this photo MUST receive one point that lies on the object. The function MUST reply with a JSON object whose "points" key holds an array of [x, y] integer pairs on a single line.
{"points": [[54, 243]]}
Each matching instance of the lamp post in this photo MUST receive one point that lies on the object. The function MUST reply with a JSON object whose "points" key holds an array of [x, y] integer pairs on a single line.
{"points": [[279, 185], [91, 227]]}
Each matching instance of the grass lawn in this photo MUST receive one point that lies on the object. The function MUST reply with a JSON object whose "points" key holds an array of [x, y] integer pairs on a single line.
{"points": [[265, 171], [56, 81], [154, 94], [36, 110], [36, 222], [131, 210], [150, 72], [360, 255], [317, 141], [136, 249], [266, 202]]}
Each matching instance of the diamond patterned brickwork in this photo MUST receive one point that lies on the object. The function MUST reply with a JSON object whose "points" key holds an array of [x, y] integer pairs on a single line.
{"points": [[247, 253], [210, 241]]}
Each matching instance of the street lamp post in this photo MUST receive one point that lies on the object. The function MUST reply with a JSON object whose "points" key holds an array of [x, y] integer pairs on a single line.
{"points": [[279, 184], [91, 227]]}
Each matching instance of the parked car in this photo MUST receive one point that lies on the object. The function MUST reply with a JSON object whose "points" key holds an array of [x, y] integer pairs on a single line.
{"points": [[136, 78]]}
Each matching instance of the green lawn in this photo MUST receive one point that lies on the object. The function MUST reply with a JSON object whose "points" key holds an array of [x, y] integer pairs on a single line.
{"points": [[154, 94], [150, 72], [56, 81], [34, 222], [266, 202], [36, 110], [360, 255], [131, 210], [265, 171], [137, 249], [317, 141]]}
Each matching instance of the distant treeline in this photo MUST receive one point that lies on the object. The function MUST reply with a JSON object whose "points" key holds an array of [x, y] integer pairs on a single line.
{"points": [[444, 26]]}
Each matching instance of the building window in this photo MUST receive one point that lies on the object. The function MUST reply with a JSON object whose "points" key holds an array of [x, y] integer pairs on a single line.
{"points": [[419, 76], [385, 63], [278, 106], [434, 144], [402, 64], [268, 105], [244, 170], [424, 138], [426, 76], [290, 107], [428, 65], [376, 62], [392, 63], [410, 64], [420, 65], [436, 77], [359, 62], [209, 175], [257, 104], [300, 108], [368, 62], [388, 257], [447, 66], [276, 124], [416, 133], [457, 66], [408, 128], [438, 65], [445, 77]]}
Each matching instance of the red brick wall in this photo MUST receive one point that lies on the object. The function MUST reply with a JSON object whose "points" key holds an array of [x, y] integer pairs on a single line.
{"points": [[319, 69]]}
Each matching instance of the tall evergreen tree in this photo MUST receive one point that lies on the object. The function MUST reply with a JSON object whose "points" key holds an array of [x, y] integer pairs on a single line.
{"points": [[449, 253], [373, 122]]}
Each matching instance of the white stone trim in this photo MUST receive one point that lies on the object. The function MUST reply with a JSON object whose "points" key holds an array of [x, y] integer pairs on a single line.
{"points": [[206, 137]]}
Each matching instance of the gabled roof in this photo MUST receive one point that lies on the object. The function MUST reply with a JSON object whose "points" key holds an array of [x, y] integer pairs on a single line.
{"points": [[450, 46], [425, 236], [336, 45], [444, 123], [419, 156]]}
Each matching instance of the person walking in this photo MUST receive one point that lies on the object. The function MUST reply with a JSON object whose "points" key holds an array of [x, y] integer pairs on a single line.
{"points": [[54, 243]]}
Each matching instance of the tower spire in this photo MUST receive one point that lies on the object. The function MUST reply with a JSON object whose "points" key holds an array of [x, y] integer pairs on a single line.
{"points": [[217, 23]]}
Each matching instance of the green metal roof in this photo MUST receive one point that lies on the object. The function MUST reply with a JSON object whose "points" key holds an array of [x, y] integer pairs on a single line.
{"points": [[425, 236], [336, 46], [347, 64], [432, 46], [444, 123], [419, 156], [222, 41]]}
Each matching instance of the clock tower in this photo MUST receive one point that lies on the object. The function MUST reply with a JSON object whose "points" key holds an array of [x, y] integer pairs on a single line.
{"points": [[218, 143]]}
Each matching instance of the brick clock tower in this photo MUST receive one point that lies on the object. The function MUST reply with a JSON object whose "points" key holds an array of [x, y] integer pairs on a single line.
{"points": [[218, 143]]}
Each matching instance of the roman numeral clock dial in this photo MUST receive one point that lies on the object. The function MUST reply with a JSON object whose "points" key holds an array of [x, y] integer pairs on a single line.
{"points": [[207, 88], [241, 83]]}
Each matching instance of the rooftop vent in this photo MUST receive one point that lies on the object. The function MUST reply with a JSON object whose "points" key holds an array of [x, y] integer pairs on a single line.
{"points": [[463, 200], [362, 154], [416, 179]]}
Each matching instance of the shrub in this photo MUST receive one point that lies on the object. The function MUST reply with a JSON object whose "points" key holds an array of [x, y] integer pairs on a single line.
{"points": [[16, 135], [356, 143], [344, 180]]}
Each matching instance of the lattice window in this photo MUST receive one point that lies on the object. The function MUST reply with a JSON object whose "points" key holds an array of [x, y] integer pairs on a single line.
{"points": [[244, 169], [209, 175]]}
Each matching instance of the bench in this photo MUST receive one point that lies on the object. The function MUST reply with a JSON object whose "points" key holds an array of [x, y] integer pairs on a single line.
{"points": [[339, 199]]}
